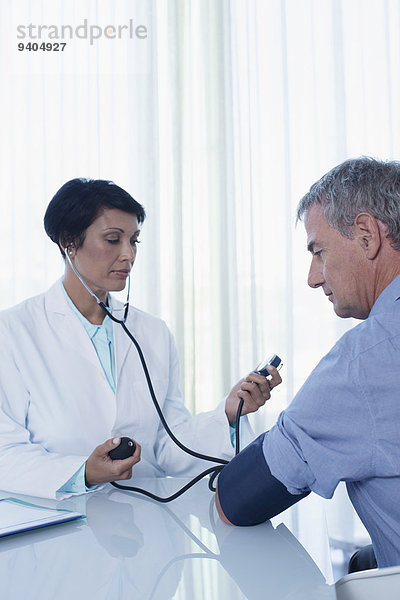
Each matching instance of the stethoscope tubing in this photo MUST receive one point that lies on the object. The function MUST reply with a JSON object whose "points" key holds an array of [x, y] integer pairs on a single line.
{"points": [[213, 471]]}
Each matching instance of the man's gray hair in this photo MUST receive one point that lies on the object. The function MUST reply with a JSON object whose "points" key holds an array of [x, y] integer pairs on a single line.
{"points": [[358, 185]]}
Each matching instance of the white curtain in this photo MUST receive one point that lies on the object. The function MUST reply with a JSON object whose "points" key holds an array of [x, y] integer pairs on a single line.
{"points": [[217, 122]]}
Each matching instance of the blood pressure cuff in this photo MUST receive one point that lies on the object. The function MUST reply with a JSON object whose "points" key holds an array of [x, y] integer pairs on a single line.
{"points": [[248, 493]]}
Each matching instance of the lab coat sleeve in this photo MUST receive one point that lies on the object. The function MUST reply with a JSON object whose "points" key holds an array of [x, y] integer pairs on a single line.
{"points": [[26, 467], [207, 432]]}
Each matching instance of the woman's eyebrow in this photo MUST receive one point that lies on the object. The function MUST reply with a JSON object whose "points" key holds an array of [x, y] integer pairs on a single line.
{"points": [[120, 230]]}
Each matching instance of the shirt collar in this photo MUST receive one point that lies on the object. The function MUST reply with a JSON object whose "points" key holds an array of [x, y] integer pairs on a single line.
{"points": [[90, 328], [387, 297]]}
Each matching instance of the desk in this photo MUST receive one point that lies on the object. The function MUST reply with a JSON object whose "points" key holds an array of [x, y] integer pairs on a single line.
{"points": [[131, 547]]}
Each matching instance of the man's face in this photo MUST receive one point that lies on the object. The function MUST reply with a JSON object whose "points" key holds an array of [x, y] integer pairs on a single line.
{"points": [[337, 265]]}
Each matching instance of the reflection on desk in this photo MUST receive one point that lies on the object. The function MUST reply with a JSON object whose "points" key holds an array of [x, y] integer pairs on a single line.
{"points": [[131, 547]]}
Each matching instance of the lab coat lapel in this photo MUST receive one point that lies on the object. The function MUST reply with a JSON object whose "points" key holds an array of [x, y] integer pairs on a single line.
{"points": [[67, 325]]}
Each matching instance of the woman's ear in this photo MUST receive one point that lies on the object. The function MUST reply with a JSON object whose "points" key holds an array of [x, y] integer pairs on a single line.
{"points": [[368, 233], [67, 245]]}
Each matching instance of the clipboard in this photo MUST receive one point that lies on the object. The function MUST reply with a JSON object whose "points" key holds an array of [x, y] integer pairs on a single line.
{"points": [[17, 516]]}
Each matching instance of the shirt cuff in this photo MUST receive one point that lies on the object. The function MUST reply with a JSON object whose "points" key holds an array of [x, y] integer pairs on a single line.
{"points": [[232, 433], [76, 484]]}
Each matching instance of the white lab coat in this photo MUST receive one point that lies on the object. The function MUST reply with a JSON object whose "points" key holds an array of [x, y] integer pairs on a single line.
{"points": [[56, 405]]}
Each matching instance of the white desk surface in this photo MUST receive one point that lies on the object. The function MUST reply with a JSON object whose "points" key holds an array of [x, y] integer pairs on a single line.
{"points": [[131, 547]]}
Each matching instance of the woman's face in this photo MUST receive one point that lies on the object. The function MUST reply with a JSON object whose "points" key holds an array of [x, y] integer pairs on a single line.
{"points": [[108, 252]]}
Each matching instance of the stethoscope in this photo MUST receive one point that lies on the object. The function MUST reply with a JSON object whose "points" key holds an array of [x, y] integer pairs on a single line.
{"points": [[213, 471]]}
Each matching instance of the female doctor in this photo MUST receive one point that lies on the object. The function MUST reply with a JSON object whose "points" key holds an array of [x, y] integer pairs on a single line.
{"points": [[71, 382]]}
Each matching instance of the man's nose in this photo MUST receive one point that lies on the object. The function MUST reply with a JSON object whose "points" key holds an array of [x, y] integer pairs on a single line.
{"points": [[315, 277]]}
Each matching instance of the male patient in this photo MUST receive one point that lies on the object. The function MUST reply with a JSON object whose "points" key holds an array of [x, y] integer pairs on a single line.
{"points": [[344, 423]]}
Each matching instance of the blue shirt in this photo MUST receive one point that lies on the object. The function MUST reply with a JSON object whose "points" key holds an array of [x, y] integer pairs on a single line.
{"points": [[344, 425]]}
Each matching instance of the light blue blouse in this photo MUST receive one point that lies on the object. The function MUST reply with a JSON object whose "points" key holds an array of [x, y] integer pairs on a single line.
{"points": [[102, 339]]}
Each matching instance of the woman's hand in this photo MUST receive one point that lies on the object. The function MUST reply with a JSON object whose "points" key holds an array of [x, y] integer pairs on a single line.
{"points": [[255, 390], [101, 469]]}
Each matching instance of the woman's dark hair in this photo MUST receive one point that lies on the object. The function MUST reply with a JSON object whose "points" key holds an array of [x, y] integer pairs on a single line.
{"points": [[78, 203]]}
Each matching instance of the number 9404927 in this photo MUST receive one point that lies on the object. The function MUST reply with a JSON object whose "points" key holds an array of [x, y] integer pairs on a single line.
{"points": [[44, 46]]}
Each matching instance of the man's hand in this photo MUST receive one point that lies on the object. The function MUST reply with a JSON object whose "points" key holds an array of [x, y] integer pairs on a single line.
{"points": [[255, 390], [101, 469]]}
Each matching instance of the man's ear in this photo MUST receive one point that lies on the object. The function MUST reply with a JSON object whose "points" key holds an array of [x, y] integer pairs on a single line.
{"points": [[367, 232]]}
